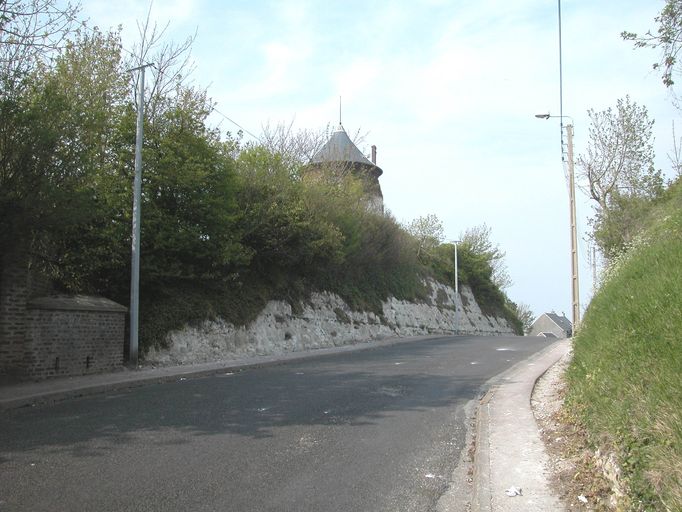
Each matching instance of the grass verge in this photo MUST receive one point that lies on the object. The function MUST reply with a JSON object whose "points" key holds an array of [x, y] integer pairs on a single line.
{"points": [[625, 378]]}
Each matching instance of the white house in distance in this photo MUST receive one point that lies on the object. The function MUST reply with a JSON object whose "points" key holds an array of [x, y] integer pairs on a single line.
{"points": [[551, 325]]}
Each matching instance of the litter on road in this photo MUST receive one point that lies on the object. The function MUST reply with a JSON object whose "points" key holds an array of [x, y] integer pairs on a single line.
{"points": [[513, 491]]}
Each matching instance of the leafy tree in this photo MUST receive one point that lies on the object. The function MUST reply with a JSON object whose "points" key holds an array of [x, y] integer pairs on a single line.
{"points": [[188, 179], [478, 241], [46, 162], [428, 231], [525, 315], [188, 203], [667, 38], [37, 177], [281, 232], [475, 269], [619, 156], [618, 168], [95, 145], [614, 229]]}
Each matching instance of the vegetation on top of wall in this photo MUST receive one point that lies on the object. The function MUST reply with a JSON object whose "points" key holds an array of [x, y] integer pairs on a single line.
{"points": [[226, 226], [479, 263]]}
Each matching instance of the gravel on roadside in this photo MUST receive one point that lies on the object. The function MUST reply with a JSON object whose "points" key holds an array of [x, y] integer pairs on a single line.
{"points": [[575, 469]]}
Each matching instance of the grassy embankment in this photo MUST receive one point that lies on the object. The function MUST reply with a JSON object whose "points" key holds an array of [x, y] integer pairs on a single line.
{"points": [[625, 381]]}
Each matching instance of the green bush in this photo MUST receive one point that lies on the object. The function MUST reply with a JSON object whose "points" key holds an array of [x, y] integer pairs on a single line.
{"points": [[224, 228], [475, 268]]}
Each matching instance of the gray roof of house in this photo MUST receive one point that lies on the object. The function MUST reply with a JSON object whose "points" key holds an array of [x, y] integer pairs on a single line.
{"points": [[561, 321], [547, 334], [339, 148]]}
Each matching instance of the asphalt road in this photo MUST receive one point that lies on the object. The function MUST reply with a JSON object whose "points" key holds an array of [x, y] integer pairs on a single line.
{"points": [[372, 430]]}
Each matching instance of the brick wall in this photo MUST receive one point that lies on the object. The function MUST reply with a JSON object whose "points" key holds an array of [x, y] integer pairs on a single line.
{"points": [[73, 335], [47, 336], [14, 294]]}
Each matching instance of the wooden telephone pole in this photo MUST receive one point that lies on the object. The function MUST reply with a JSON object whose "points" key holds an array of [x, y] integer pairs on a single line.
{"points": [[575, 292]]}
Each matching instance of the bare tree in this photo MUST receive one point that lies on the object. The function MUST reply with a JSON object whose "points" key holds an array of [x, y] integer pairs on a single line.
{"points": [[619, 157], [296, 147], [171, 67], [676, 156], [31, 31]]}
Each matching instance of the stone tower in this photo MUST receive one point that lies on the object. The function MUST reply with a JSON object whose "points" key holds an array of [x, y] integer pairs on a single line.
{"points": [[340, 155]]}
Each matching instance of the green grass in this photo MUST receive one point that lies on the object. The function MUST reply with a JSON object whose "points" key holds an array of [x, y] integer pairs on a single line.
{"points": [[625, 381]]}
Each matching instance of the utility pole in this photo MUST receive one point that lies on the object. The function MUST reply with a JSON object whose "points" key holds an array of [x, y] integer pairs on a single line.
{"points": [[137, 197], [575, 292]]}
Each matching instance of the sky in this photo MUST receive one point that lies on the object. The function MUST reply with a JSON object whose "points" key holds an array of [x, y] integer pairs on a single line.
{"points": [[446, 90]]}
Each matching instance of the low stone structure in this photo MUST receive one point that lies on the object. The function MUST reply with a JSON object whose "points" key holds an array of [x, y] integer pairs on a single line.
{"points": [[44, 335], [18, 285], [73, 335], [326, 321]]}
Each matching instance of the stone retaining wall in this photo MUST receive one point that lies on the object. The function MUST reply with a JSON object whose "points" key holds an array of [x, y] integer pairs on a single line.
{"points": [[326, 320]]}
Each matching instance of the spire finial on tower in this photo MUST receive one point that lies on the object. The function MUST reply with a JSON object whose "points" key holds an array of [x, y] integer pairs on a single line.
{"points": [[340, 110]]}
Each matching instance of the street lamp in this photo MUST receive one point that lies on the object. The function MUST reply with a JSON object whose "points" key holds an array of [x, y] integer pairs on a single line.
{"points": [[455, 242], [575, 293], [137, 203]]}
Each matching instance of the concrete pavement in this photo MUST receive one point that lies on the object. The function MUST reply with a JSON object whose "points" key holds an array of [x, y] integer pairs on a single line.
{"points": [[509, 450]]}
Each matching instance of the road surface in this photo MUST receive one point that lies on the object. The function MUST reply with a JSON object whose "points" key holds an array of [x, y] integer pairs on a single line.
{"points": [[372, 430]]}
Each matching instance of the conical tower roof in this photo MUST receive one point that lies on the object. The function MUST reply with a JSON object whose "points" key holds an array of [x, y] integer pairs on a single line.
{"points": [[339, 148]]}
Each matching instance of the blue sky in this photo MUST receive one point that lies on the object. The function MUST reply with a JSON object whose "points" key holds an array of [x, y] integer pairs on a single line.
{"points": [[447, 90]]}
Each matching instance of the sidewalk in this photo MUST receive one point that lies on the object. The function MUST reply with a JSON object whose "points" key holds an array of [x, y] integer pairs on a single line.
{"points": [[509, 450]]}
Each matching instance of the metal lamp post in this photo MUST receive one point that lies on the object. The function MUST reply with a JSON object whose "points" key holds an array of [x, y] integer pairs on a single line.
{"points": [[137, 193], [455, 242]]}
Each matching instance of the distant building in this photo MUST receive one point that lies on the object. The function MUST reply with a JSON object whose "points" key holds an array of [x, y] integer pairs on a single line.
{"points": [[339, 155], [548, 335], [551, 325]]}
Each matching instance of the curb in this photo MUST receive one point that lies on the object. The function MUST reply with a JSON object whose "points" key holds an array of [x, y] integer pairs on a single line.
{"points": [[481, 492]]}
